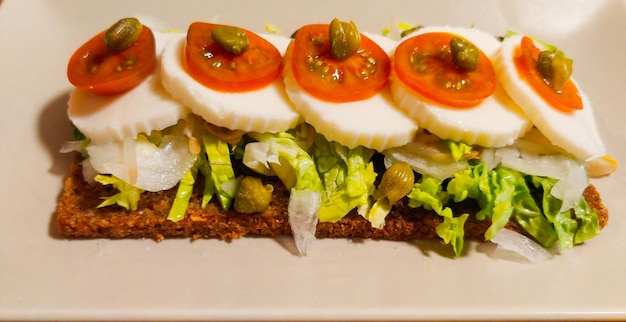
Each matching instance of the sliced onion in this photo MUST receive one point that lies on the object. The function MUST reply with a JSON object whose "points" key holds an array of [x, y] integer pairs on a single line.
{"points": [[129, 156], [488, 156], [522, 245], [258, 155], [552, 166], [72, 146], [412, 154], [303, 217], [158, 167], [571, 188], [89, 173]]}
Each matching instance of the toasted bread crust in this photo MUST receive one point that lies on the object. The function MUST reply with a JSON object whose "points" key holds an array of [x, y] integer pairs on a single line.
{"points": [[79, 217]]}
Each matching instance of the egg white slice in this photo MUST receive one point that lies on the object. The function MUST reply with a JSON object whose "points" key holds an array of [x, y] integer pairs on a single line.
{"points": [[495, 122], [264, 110], [145, 108], [575, 132], [374, 123]]}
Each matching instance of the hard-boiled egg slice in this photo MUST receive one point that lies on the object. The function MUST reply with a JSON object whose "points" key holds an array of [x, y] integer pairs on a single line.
{"points": [[374, 123], [145, 108], [264, 110], [495, 122], [575, 131]]}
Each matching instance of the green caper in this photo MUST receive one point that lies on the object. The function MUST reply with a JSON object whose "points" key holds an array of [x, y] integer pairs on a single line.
{"points": [[232, 39], [344, 38], [123, 34], [464, 54], [555, 68], [252, 196], [397, 182]]}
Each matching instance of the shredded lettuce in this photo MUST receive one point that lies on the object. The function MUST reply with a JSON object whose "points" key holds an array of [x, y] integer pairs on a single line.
{"points": [[348, 178], [428, 193], [222, 173], [280, 154], [451, 230], [284, 155], [570, 230], [215, 165], [209, 186], [504, 194], [183, 194], [127, 197], [458, 149]]}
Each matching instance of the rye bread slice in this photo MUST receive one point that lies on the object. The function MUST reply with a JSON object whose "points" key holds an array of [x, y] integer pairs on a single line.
{"points": [[79, 217]]}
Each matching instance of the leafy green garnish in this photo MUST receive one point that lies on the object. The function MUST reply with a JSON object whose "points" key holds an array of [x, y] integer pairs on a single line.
{"points": [[183, 194], [348, 178], [428, 193], [503, 195], [281, 154], [127, 197], [458, 149], [222, 173]]}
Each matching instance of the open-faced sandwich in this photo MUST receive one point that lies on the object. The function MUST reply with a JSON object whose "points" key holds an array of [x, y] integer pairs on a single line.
{"points": [[221, 132]]}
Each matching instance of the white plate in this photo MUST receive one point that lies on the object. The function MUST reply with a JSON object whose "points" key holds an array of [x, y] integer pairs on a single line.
{"points": [[43, 276]]}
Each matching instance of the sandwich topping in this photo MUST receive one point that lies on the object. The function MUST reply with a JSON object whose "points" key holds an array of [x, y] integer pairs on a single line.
{"points": [[115, 60], [229, 59], [347, 121]]}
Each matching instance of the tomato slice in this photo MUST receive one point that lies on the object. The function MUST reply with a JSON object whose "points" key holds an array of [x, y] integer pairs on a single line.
{"points": [[355, 78], [96, 69], [526, 56], [424, 63], [215, 68]]}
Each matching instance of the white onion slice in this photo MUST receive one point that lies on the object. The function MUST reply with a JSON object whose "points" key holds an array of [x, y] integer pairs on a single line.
{"points": [[158, 168], [72, 146], [130, 158], [258, 155], [303, 217], [522, 245], [423, 165]]}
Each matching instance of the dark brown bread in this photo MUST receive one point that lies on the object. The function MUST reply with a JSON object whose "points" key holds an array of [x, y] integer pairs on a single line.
{"points": [[78, 217]]}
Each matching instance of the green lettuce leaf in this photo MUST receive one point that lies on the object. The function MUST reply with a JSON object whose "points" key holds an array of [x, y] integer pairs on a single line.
{"points": [[428, 193], [127, 197], [502, 194], [215, 165], [347, 176], [458, 149], [528, 214], [221, 171], [209, 186], [183, 194], [451, 230], [589, 222], [280, 154], [570, 230]]}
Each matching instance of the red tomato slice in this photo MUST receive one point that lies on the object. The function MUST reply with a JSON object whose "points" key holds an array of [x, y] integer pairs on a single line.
{"points": [[98, 70], [355, 78], [215, 68], [424, 63], [526, 56]]}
